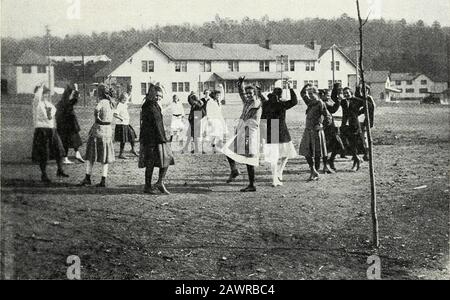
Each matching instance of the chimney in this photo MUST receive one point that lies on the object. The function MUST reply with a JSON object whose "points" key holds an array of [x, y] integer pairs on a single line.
{"points": [[157, 41], [268, 44], [313, 44], [210, 44]]}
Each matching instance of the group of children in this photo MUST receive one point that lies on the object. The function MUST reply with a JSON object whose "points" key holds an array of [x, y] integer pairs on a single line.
{"points": [[262, 122]]}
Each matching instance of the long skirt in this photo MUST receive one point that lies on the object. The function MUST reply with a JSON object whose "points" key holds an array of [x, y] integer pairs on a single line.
{"points": [[313, 143], [272, 152], [124, 134], [47, 145], [353, 140], [244, 146], [215, 128], [159, 156], [334, 141], [100, 147], [177, 124], [197, 126], [68, 130]]}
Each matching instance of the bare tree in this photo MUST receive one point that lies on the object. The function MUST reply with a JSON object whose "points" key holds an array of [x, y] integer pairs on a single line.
{"points": [[375, 239]]}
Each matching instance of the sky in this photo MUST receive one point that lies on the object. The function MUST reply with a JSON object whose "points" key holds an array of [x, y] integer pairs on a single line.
{"points": [[26, 18]]}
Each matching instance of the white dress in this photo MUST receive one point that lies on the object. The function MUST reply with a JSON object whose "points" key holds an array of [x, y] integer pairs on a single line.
{"points": [[216, 127], [177, 124]]}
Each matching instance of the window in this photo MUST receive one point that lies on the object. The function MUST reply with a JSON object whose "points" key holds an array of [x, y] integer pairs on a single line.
{"points": [[310, 66], [233, 66], [424, 82], [42, 69], [312, 82], [410, 91], [398, 82], [264, 66], [338, 65], [401, 90], [330, 83], [143, 88], [205, 66], [181, 87], [423, 91], [26, 69], [409, 82], [148, 66], [181, 66], [292, 66]]}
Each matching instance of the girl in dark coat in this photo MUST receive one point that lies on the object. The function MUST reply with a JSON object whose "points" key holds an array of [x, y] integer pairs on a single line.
{"points": [[278, 140], [67, 123], [352, 108], [196, 115], [335, 145], [155, 150]]}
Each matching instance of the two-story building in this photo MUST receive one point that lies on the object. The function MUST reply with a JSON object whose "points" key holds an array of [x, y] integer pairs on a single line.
{"points": [[415, 86], [30, 70], [185, 67]]}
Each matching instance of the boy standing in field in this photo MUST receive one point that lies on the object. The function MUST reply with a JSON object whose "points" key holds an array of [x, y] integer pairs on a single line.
{"points": [[313, 145]]}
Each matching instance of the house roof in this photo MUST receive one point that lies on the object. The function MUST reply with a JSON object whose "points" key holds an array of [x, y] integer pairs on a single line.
{"points": [[404, 76], [30, 57], [198, 51], [345, 52], [221, 51], [376, 76], [250, 75]]}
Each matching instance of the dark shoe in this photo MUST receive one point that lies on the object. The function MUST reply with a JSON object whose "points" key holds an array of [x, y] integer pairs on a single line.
{"points": [[45, 179], [122, 157], [150, 190], [161, 187], [86, 182], [61, 173], [356, 165], [134, 153], [249, 189], [102, 184], [332, 166], [327, 170], [233, 175], [366, 157]]}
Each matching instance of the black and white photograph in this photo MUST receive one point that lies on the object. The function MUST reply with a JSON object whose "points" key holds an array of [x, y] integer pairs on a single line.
{"points": [[225, 146]]}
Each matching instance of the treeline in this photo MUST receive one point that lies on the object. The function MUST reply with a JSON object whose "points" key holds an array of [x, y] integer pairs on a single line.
{"points": [[397, 46]]}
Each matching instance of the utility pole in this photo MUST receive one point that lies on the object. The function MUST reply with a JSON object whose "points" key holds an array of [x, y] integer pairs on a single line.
{"points": [[333, 64], [49, 53], [84, 79]]}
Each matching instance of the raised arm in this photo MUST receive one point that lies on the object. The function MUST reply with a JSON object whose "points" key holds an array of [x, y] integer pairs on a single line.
{"points": [[333, 106], [241, 88], [294, 100], [304, 95]]}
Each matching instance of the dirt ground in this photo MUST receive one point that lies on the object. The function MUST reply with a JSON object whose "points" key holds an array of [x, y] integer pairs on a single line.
{"points": [[208, 230]]}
